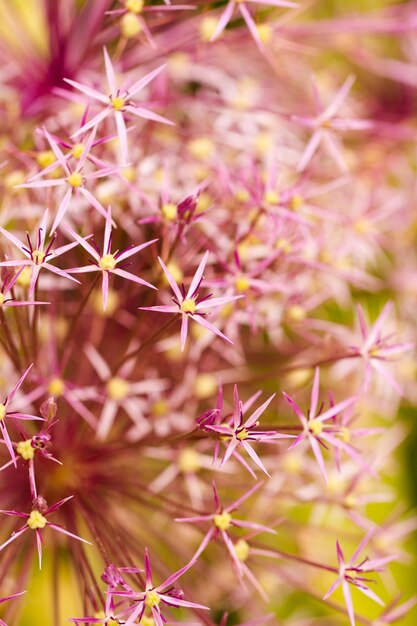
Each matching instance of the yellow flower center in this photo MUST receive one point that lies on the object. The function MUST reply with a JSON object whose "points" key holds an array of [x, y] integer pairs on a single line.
{"points": [[223, 520], [160, 408], [188, 305], [243, 434], [242, 283], [24, 448], [36, 520], [2, 412], [152, 598], [117, 388], [38, 256], [271, 197], [56, 387], [189, 461], [147, 620], [205, 385], [264, 32], [75, 179], [296, 202], [2, 298], [107, 262], [345, 435], [316, 427], [45, 158], [117, 103], [134, 6], [207, 28], [295, 313], [242, 549], [130, 25], [77, 150], [169, 211]]}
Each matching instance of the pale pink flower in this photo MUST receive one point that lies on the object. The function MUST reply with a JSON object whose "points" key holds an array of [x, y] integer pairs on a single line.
{"points": [[315, 430], [105, 261], [189, 305], [38, 257], [356, 574], [118, 103], [74, 181]]}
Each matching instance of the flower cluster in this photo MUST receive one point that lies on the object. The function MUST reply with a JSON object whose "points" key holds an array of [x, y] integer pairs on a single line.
{"points": [[207, 162]]}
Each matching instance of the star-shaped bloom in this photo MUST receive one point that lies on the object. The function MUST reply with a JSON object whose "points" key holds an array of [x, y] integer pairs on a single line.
{"points": [[377, 348], [121, 392], [37, 520], [326, 123], [189, 304], [239, 434], [37, 257], [228, 12], [118, 103], [357, 574], [106, 262], [315, 429], [152, 597], [74, 181], [5, 412], [222, 521]]}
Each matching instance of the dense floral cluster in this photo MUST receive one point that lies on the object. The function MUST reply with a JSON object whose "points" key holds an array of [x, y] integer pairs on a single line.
{"points": [[207, 240]]}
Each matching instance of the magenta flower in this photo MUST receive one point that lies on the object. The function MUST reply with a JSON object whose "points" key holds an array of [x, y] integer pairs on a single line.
{"points": [[15, 415], [37, 257], [240, 434], [74, 181], [315, 430], [222, 521], [118, 103], [189, 304], [152, 597], [37, 520], [106, 262], [245, 13], [357, 575]]}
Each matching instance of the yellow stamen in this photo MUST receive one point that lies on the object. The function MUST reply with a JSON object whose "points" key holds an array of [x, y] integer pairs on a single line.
{"points": [[130, 25], [38, 256], [24, 448], [77, 150], [147, 620], [45, 158], [117, 102], [189, 461], [36, 520], [134, 6], [188, 305], [223, 520], [2, 412], [271, 197], [242, 549], [75, 179], [169, 211], [207, 28], [107, 262], [152, 598], [316, 426], [242, 283], [117, 388], [56, 387], [243, 434]]}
